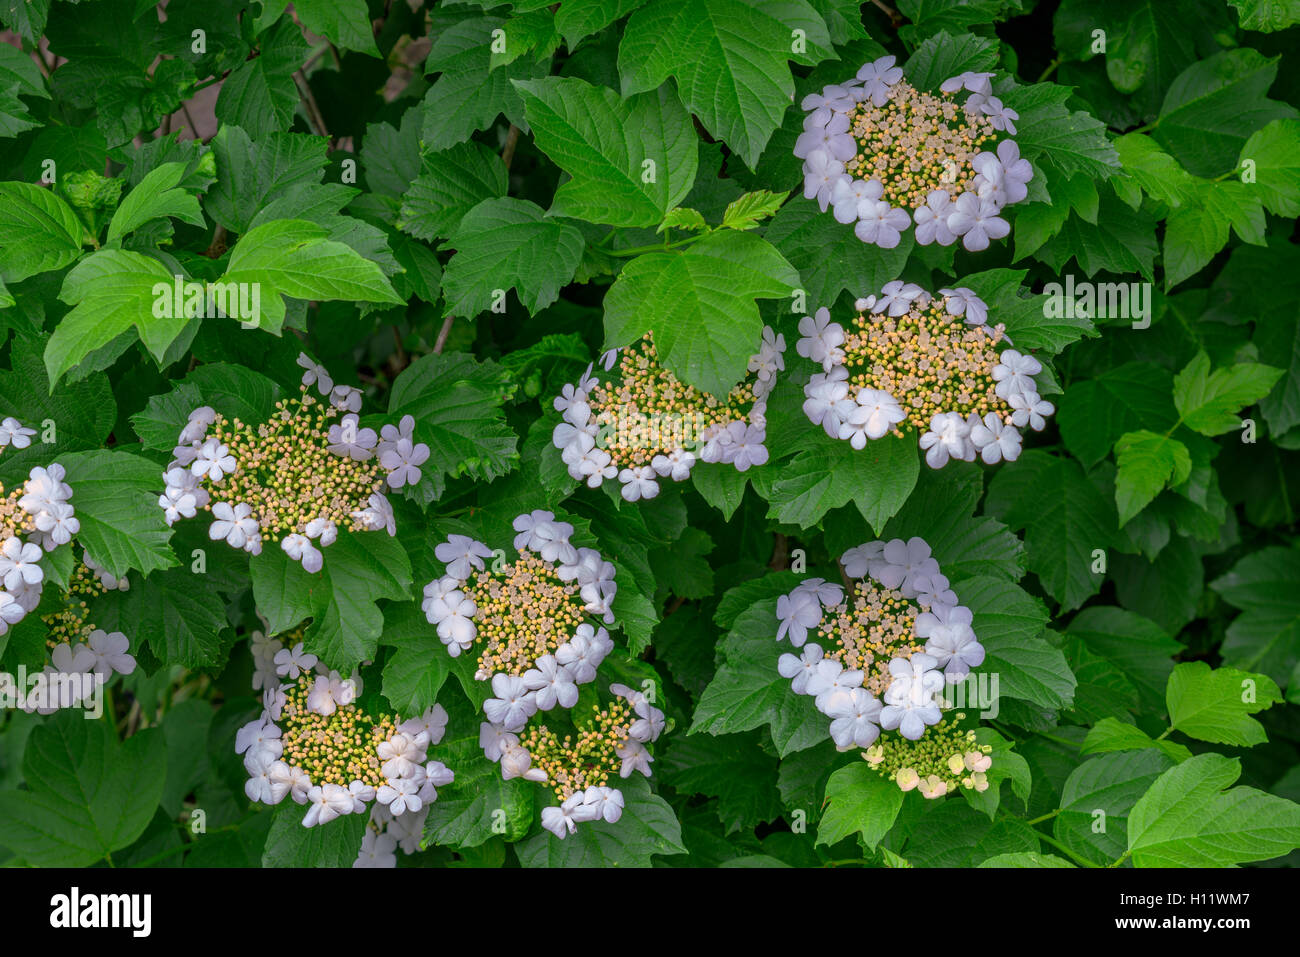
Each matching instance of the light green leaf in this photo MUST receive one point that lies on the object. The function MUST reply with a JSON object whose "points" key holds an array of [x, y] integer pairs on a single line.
{"points": [[1216, 704], [1147, 463], [647, 828], [859, 800], [1110, 734], [700, 304], [39, 232], [1275, 151], [1111, 784], [1209, 402], [116, 497], [260, 95], [1190, 818], [293, 257], [155, 197]]}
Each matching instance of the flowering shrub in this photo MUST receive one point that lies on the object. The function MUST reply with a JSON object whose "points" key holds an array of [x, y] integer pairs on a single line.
{"points": [[417, 420]]}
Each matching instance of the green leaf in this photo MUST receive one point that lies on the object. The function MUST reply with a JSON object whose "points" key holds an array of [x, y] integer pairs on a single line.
{"points": [[504, 244], [232, 390], [700, 305], [19, 76], [747, 691], [346, 22], [1267, 16], [877, 479], [1123, 240], [1214, 105], [251, 174], [1266, 635], [829, 256], [1024, 859], [260, 95], [1110, 734], [1190, 818], [647, 828], [577, 19], [729, 59], [39, 232], [1009, 624], [450, 184], [111, 291], [456, 402], [749, 210], [618, 179], [1216, 704], [294, 258], [1110, 784], [1275, 151], [945, 55], [731, 768], [1032, 321], [1094, 413], [289, 844], [419, 666], [1209, 402], [469, 94], [478, 805], [680, 217], [1137, 646], [87, 795], [155, 197], [115, 495], [360, 569], [1075, 141], [860, 801], [1064, 517], [1147, 463], [175, 612]]}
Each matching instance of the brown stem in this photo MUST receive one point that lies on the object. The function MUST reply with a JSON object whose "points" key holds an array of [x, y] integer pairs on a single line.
{"points": [[780, 554], [218, 243], [512, 141], [895, 17], [314, 117], [443, 333]]}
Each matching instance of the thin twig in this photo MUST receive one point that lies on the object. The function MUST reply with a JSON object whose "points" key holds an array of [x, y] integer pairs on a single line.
{"points": [[314, 116], [512, 141], [218, 245], [443, 333], [895, 17], [780, 554]]}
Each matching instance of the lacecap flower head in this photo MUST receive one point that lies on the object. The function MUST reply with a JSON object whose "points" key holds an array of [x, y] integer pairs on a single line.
{"points": [[883, 155], [535, 622], [80, 654], [296, 479], [35, 518], [933, 366], [314, 744], [643, 424], [876, 661], [580, 765]]}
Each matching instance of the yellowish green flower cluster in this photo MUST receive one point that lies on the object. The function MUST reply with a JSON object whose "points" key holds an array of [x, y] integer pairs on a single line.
{"points": [[645, 424], [879, 626], [338, 748], [524, 611], [585, 759], [930, 361], [70, 623], [945, 759], [916, 143]]}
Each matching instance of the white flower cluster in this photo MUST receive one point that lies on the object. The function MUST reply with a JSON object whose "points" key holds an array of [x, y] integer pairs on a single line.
{"points": [[868, 414], [43, 511], [99, 657], [397, 807], [738, 442], [200, 459], [973, 214], [908, 703], [447, 605]]}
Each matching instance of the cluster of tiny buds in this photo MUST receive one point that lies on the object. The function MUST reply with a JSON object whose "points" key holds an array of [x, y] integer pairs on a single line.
{"points": [[523, 612], [878, 627], [587, 757], [335, 749], [296, 479], [946, 759], [645, 424]]}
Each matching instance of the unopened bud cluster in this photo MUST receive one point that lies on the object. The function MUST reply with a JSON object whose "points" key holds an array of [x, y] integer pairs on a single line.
{"points": [[644, 424], [296, 479], [897, 641], [930, 365], [946, 759]]}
